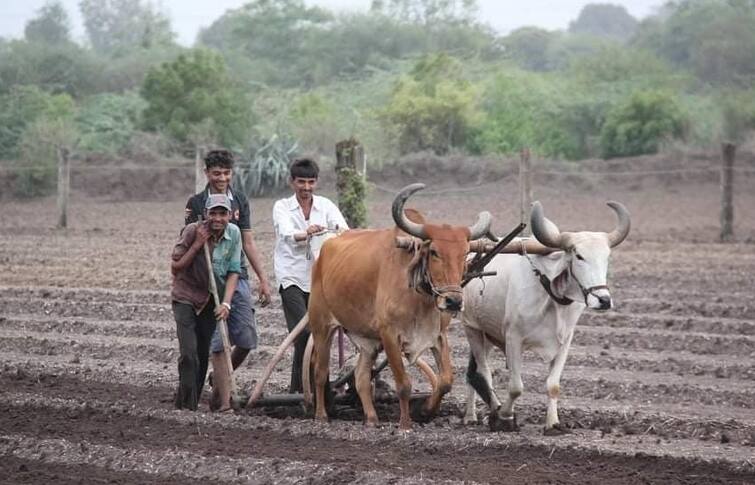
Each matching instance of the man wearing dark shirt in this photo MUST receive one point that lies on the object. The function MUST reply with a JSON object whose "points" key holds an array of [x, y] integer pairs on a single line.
{"points": [[241, 323], [193, 309]]}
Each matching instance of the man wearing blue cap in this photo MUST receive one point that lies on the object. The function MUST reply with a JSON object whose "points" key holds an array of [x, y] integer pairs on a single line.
{"points": [[219, 166], [193, 308]]}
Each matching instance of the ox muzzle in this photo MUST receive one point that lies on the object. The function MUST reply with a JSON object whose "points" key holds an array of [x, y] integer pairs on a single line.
{"points": [[449, 298], [597, 297]]}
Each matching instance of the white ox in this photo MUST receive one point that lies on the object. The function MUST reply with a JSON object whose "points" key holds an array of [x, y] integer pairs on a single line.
{"points": [[514, 311]]}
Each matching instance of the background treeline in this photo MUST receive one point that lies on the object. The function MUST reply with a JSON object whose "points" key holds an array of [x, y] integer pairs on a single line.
{"points": [[276, 77]]}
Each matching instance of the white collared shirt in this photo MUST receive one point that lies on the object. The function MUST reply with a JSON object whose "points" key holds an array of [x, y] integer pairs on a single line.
{"points": [[292, 266]]}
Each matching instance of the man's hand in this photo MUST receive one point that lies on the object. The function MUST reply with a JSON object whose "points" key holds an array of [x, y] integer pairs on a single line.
{"points": [[314, 229], [203, 234], [264, 293], [222, 312]]}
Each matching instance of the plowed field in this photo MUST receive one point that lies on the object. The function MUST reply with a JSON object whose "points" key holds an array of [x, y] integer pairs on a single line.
{"points": [[659, 390]]}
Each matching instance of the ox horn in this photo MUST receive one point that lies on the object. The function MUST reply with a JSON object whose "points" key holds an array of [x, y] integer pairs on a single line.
{"points": [[616, 236], [481, 227], [543, 229], [403, 223]]}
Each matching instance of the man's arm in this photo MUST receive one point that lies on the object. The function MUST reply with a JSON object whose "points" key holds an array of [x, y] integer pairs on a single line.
{"points": [[192, 241], [232, 274], [285, 228], [255, 259], [223, 311], [190, 213]]}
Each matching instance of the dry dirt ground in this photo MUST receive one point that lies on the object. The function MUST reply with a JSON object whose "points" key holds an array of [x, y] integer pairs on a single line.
{"points": [[660, 390]]}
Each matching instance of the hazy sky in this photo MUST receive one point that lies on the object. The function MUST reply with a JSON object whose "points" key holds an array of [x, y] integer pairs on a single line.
{"points": [[188, 16]]}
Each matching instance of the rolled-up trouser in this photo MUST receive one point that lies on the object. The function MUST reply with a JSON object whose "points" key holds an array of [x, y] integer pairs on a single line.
{"points": [[295, 301], [194, 333]]}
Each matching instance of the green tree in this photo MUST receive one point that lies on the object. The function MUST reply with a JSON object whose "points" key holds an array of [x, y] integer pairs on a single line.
{"points": [[22, 106], [106, 122], [714, 39], [433, 108], [617, 69], [428, 12], [53, 67], [529, 47], [50, 26], [525, 110], [738, 114], [195, 89], [639, 125], [286, 43], [116, 26], [604, 20], [275, 36], [565, 50], [40, 145]]}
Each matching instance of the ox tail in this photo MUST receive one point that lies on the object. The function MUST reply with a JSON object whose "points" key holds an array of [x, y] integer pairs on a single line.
{"points": [[277, 357]]}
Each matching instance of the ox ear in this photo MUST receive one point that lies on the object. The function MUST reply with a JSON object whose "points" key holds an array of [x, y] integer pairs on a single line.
{"points": [[621, 231], [403, 242], [543, 229]]}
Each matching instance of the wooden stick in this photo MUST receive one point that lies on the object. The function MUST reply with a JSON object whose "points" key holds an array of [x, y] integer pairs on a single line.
{"points": [[222, 325]]}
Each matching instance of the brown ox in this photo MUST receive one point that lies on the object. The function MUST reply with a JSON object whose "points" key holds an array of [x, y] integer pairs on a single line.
{"points": [[362, 281]]}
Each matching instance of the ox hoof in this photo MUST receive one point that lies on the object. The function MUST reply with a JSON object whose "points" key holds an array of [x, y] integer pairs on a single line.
{"points": [[556, 430], [371, 423], [419, 413], [469, 421], [503, 423]]}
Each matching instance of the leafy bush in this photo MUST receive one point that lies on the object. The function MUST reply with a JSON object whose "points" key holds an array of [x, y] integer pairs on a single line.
{"points": [[638, 125], [433, 108], [39, 145], [108, 121], [525, 110]]}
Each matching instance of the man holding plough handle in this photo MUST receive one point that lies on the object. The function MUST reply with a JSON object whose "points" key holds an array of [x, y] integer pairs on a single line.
{"points": [[193, 308]]}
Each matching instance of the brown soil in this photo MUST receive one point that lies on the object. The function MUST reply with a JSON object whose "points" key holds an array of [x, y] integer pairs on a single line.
{"points": [[661, 390]]}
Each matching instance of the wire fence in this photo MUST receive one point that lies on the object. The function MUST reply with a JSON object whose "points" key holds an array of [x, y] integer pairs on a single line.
{"points": [[711, 174]]}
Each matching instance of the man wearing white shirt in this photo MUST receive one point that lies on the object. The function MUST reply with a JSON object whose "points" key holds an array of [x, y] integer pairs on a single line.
{"points": [[300, 223]]}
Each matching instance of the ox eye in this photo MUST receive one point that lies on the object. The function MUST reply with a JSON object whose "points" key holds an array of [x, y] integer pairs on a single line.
{"points": [[433, 253], [579, 256]]}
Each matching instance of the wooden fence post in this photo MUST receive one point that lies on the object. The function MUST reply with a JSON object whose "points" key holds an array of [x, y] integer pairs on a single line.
{"points": [[349, 183], [199, 178], [727, 193], [351, 188], [64, 184], [525, 188]]}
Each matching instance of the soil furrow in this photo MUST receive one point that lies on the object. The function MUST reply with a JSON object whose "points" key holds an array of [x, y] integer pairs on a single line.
{"points": [[388, 453]]}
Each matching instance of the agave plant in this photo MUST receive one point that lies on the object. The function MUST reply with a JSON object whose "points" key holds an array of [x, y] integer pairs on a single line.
{"points": [[266, 170]]}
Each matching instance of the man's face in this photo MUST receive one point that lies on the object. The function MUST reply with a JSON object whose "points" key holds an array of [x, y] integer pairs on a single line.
{"points": [[218, 218], [303, 187], [219, 178]]}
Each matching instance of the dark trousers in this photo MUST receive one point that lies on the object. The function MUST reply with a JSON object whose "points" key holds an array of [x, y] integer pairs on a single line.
{"points": [[295, 302], [194, 334]]}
